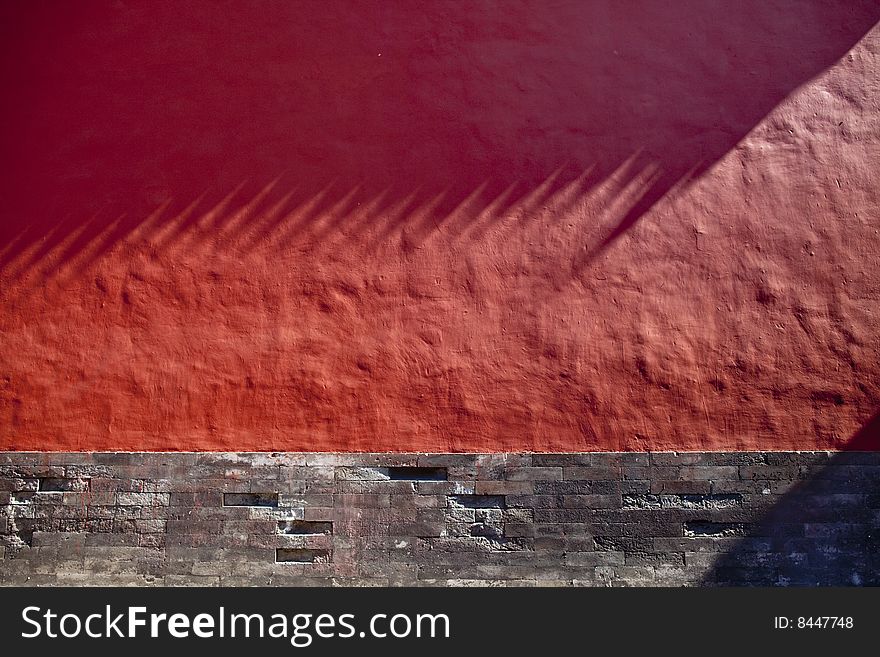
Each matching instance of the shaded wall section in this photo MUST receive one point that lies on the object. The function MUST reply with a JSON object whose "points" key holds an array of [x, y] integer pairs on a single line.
{"points": [[558, 226]]}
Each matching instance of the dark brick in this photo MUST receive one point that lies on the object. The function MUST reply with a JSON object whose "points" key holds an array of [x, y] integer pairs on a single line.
{"points": [[619, 519]]}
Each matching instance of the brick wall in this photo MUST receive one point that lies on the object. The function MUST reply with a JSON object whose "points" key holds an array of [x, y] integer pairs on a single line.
{"points": [[510, 519]]}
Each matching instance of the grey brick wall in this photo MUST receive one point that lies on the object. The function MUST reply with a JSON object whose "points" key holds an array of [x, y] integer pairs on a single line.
{"points": [[598, 519]]}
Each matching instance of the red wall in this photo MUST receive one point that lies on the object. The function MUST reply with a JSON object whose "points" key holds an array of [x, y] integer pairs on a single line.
{"points": [[439, 226]]}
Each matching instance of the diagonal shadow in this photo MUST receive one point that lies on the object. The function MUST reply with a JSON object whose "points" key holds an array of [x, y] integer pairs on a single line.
{"points": [[367, 122], [823, 531]]}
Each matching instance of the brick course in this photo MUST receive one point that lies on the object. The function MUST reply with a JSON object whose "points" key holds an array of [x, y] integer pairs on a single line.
{"points": [[618, 519]]}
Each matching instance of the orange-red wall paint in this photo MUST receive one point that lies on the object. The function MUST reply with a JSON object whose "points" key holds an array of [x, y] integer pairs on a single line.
{"points": [[439, 225]]}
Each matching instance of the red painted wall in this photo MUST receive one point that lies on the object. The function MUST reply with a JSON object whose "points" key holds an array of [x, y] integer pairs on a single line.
{"points": [[438, 225]]}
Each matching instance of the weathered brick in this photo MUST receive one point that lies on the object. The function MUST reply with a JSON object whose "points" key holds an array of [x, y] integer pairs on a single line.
{"points": [[617, 519], [595, 472], [591, 501], [362, 474], [564, 487], [445, 488], [533, 474], [150, 526], [562, 460], [765, 473], [89, 499], [679, 458], [679, 486], [708, 472], [143, 499], [534, 501], [504, 487]]}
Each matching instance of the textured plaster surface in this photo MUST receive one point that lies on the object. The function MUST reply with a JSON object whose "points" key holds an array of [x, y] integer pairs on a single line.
{"points": [[567, 226]]}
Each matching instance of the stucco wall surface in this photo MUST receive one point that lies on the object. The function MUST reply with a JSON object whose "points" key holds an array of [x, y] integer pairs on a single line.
{"points": [[403, 226]]}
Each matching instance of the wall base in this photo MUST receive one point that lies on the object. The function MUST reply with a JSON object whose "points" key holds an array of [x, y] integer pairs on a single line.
{"points": [[597, 519]]}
